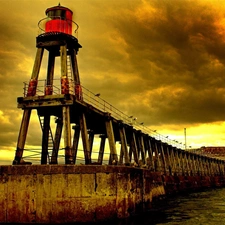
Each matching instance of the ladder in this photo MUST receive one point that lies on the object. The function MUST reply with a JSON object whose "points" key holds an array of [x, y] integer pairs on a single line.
{"points": [[50, 137], [70, 75]]}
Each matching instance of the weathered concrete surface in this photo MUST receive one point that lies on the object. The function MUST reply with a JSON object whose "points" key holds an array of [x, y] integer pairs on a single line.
{"points": [[178, 184], [60, 194]]}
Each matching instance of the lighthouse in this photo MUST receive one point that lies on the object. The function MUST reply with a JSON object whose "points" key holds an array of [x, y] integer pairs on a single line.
{"points": [[52, 97]]}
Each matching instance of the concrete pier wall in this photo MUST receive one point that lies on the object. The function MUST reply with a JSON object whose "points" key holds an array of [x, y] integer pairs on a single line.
{"points": [[178, 184], [68, 193], [72, 193]]}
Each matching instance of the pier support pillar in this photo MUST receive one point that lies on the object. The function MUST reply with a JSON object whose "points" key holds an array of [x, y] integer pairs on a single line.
{"points": [[158, 164], [124, 149], [22, 136], [45, 139], [140, 146], [150, 153], [169, 159], [75, 142], [101, 150], [57, 138], [27, 112], [85, 139], [163, 158], [67, 135], [112, 145], [91, 140], [133, 148]]}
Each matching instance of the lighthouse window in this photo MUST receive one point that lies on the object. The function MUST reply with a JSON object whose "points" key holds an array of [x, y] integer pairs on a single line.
{"points": [[57, 14]]}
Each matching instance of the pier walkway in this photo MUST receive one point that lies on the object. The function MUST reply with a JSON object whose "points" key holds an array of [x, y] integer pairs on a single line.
{"points": [[96, 122], [94, 162]]}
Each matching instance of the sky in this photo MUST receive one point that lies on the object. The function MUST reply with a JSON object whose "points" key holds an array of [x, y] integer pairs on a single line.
{"points": [[161, 61]]}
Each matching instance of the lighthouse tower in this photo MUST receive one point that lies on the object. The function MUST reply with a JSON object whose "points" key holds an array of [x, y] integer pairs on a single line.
{"points": [[52, 97]]}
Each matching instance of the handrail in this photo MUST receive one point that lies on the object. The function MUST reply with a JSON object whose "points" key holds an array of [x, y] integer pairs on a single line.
{"points": [[99, 103], [41, 24]]}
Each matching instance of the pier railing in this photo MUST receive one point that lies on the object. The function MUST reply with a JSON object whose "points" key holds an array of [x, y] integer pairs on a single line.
{"points": [[101, 104], [153, 151]]}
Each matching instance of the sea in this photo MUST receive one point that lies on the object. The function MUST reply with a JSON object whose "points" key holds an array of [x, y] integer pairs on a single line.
{"points": [[199, 208]]}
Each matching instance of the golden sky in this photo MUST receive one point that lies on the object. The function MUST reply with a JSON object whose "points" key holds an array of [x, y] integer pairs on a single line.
{"points": [[162, 61]]}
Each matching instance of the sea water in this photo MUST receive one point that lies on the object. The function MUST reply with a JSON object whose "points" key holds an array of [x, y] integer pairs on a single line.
{"points": [[201, 208]]}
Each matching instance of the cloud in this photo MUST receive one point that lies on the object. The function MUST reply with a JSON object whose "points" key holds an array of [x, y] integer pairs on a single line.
{"points": [[173, 52], [161, 61]]}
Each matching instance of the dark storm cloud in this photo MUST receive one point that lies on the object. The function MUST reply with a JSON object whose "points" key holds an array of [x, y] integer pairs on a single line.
{"points": [[175, 48], [8, 123], [161, 61], [18, 31]]}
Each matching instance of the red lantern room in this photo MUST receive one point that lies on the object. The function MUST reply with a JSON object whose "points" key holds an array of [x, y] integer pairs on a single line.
{"points": [[59, 20]]}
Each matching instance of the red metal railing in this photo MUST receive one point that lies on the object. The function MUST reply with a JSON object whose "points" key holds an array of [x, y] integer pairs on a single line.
{"points": [[63, 25]]}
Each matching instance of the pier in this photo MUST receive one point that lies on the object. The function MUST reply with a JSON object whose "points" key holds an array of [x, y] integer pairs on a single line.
{"points": [[122, 167]]}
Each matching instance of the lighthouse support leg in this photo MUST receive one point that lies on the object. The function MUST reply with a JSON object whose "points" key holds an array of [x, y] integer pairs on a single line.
{"points": [[51, 64], [75, 142], [22, 136], [84, 135], [75, 67], [66, 109], [58, 134], [45, 139], [37, 63], [67, 135]]}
